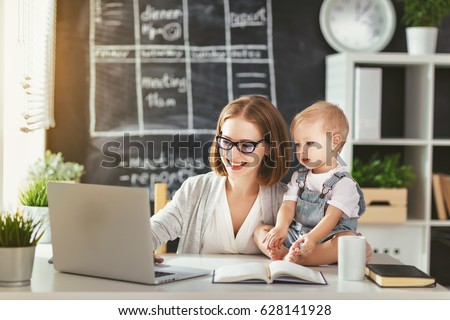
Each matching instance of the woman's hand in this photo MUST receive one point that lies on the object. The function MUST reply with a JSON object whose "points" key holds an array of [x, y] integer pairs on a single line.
{"points": [[157, 259]]}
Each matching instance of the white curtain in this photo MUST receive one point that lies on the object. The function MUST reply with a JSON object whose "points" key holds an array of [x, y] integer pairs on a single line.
{"points": [[27, 42], [36, 42]]}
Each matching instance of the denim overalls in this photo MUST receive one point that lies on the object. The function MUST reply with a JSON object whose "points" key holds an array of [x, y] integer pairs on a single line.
{"points": [[311, 207]]}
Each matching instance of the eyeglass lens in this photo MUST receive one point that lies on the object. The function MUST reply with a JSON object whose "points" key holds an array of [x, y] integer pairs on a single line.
{"points": [[244, 147]]}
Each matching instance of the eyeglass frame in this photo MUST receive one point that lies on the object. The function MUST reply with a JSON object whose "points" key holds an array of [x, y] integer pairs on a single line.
{"points": [[238, 144]]}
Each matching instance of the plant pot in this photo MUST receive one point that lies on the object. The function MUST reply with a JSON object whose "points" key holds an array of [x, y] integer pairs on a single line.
{"points": [[16, 266], [421, 40], [40, 213]]}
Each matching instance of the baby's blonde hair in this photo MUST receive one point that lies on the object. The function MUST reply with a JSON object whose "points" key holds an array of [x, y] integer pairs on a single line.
{"points": [[334, 119]]}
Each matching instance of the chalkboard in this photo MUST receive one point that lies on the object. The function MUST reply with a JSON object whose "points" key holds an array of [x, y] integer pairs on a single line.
{"points": [[139, 84], [155, 71]]}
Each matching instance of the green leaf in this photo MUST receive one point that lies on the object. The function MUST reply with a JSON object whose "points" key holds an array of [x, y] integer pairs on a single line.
{"points": [[16, 230], [425, 13], [51, 168], [34, 194], [388, 172]]}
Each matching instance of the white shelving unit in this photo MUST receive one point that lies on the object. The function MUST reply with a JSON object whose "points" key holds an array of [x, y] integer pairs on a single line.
{"points": [[409, 242]]}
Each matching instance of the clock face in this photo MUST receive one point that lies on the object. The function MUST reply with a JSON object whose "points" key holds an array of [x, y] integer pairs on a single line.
{"points": [[357, 25]]}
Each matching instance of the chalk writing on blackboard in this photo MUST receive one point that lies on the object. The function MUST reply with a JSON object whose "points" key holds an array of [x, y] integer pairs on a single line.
{"points": [[143, 161], [166, 67]]}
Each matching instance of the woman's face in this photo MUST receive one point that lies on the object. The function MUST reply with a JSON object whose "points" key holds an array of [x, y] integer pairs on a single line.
{"points": [[238, 164]]}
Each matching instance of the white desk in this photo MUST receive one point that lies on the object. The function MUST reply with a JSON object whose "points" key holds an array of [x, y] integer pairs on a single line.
{"points": [[46, 283]]}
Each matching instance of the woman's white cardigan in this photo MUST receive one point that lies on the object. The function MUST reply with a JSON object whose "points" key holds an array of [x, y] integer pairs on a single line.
{"points": [[191, 209]]}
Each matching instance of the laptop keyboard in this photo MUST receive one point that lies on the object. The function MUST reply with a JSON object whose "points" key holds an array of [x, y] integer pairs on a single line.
{"points": [[162, 274]]}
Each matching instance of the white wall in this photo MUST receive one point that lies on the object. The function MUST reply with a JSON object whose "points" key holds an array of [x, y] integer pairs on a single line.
{"points": [[2, 31], [17, 149]]}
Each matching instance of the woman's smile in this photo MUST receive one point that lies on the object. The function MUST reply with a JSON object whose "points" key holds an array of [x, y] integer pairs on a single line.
{"points": [[236, 165]]}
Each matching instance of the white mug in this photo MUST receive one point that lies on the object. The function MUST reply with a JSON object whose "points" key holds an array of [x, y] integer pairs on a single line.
{"points": [[351, 257]]}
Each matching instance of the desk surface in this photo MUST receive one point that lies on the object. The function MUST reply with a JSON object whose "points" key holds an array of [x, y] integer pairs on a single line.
{"points": [[46, 283]]}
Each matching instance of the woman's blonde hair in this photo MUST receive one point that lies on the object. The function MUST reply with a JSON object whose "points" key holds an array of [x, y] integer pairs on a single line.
{"points": [[261, 112], [334, 119]]}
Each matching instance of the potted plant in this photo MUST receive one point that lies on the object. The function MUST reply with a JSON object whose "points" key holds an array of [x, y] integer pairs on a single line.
{"points": [[422, 19], [384, 182], [35, 204], [33, 196], [18, 238], [53, 168]]}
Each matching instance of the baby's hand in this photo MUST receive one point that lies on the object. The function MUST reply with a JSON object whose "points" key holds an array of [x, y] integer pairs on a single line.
{"points": [[274, 238], [296, 246], [303, 246]]}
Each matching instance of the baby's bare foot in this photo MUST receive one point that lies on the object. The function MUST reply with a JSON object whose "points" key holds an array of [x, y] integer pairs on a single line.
{"points": [[369, 251], [278, 253], [293, 257]]}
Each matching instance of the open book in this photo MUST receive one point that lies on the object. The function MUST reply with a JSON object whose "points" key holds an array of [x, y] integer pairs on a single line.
{"points": [[276, 271]]}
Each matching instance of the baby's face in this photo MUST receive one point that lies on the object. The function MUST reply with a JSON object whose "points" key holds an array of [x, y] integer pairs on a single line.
{"points": [[313, 147]]}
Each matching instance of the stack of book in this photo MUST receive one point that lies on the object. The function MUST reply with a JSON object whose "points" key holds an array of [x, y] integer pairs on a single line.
{"points": [[441, 193]]}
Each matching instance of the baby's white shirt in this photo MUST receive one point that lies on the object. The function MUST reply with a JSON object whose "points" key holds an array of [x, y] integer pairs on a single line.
{"points": [[343, 196]]}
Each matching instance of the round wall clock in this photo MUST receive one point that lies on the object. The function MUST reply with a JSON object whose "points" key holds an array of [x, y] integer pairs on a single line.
{"points": [[357, 25]]}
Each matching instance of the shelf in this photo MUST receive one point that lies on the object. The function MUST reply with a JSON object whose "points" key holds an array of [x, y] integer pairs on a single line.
{"points": [[442, 142], [408, 223], [392, 142], [416, 222], [413, 122], [394, 58], [440, 223]]}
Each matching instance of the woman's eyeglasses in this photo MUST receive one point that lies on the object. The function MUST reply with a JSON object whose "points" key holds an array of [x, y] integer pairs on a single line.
{"points": [[245, 147]]}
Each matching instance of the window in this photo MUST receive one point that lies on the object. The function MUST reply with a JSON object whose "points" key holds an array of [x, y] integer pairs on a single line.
{"points": [[36, 42], [27, 37]]}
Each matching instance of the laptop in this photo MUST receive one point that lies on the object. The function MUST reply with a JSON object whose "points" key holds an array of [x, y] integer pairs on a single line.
{"points": [[104, 231]]}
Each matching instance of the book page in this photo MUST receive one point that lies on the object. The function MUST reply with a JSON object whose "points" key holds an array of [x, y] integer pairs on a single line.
{"points": [[241, 272], [284, 268]]}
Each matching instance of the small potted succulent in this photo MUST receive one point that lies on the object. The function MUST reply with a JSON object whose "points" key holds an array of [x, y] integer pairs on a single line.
{"points": [[53, 168], [18, 238], [384, 182], [33, 196], [35, 203], [422, 19]]}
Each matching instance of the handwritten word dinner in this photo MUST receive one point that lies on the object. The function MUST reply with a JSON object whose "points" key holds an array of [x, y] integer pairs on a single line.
{"points": [[170, 32], [152, 14]]}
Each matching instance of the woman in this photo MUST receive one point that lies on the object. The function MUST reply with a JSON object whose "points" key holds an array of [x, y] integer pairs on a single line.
{"points": [[217, 212]]}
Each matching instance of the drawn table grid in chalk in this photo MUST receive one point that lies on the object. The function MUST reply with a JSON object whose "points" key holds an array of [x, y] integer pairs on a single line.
{"points": [[169, 66]]}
